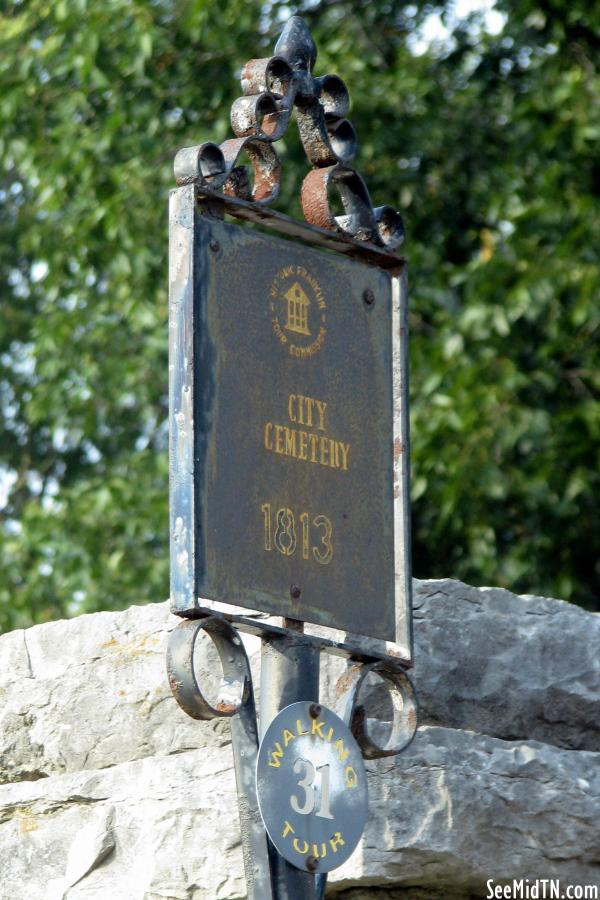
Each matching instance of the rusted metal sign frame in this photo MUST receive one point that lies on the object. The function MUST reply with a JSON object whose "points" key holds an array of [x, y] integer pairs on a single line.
{"points": [[187, 204]]}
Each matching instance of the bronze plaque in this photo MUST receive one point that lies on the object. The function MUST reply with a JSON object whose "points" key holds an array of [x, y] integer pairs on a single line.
{"points": [[288, 429]]}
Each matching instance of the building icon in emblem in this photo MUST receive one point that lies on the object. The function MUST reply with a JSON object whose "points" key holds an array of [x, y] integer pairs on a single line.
{"points": [[297, 310]]}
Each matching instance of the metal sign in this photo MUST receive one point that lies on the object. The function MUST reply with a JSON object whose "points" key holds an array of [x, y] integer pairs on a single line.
{"points": [[312, 788], [289, 464], [288, 432]]}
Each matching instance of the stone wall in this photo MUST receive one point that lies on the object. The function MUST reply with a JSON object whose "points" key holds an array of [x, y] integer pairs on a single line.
{"points": [[108, 791]]}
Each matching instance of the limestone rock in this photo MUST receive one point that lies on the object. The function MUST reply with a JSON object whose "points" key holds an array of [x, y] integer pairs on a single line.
{"points": [[517, 667], [92, 692], [169, 819], [111, 791], [453, 811], [459, 808]]}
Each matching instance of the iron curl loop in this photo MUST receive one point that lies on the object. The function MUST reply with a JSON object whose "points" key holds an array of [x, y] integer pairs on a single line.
{"points": [[404, 703], [214, 166], [235, 689]]}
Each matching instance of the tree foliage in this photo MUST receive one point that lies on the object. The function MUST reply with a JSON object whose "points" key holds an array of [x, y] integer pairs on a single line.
{"points": [[488, 143]]}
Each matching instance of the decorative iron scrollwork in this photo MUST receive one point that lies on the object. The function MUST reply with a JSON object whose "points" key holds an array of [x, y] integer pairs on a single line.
{"points": [[236, 696], [235, 690], [272, 88], [403, 701]]}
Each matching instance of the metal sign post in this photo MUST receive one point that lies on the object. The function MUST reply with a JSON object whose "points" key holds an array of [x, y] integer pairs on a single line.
{"points": [[289, 464]]}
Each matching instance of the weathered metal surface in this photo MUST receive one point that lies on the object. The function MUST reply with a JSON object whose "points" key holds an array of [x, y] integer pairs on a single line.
{"points": [[311, 787], [403, 700], [263, 625], [289, 436], [272, 88], [289, 672], [236, 702], [341, 242]]}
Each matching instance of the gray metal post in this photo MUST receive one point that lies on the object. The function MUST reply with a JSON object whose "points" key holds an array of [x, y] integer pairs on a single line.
{"points": [[289, 672]]}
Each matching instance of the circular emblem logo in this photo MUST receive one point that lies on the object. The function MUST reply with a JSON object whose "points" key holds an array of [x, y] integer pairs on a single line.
{"points": [[312, 787], [298, 311]]}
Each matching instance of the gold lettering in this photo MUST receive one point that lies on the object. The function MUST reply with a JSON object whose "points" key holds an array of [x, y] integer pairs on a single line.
{"points": [[278, 441], [291, 399], [304, 849], [299, 728], [277, 327], [345, 448], [303, 440], [351, 777], [330, 734], [276, 755], [306, 445], [309, 403], [287, 737], [290, 441], [316, 728], [287, 829], [336, 841], [323, 852], [268, 430], [285, 540], [339, 746], [332, 446], [324, 446], [325, 555], [321, 407]]}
